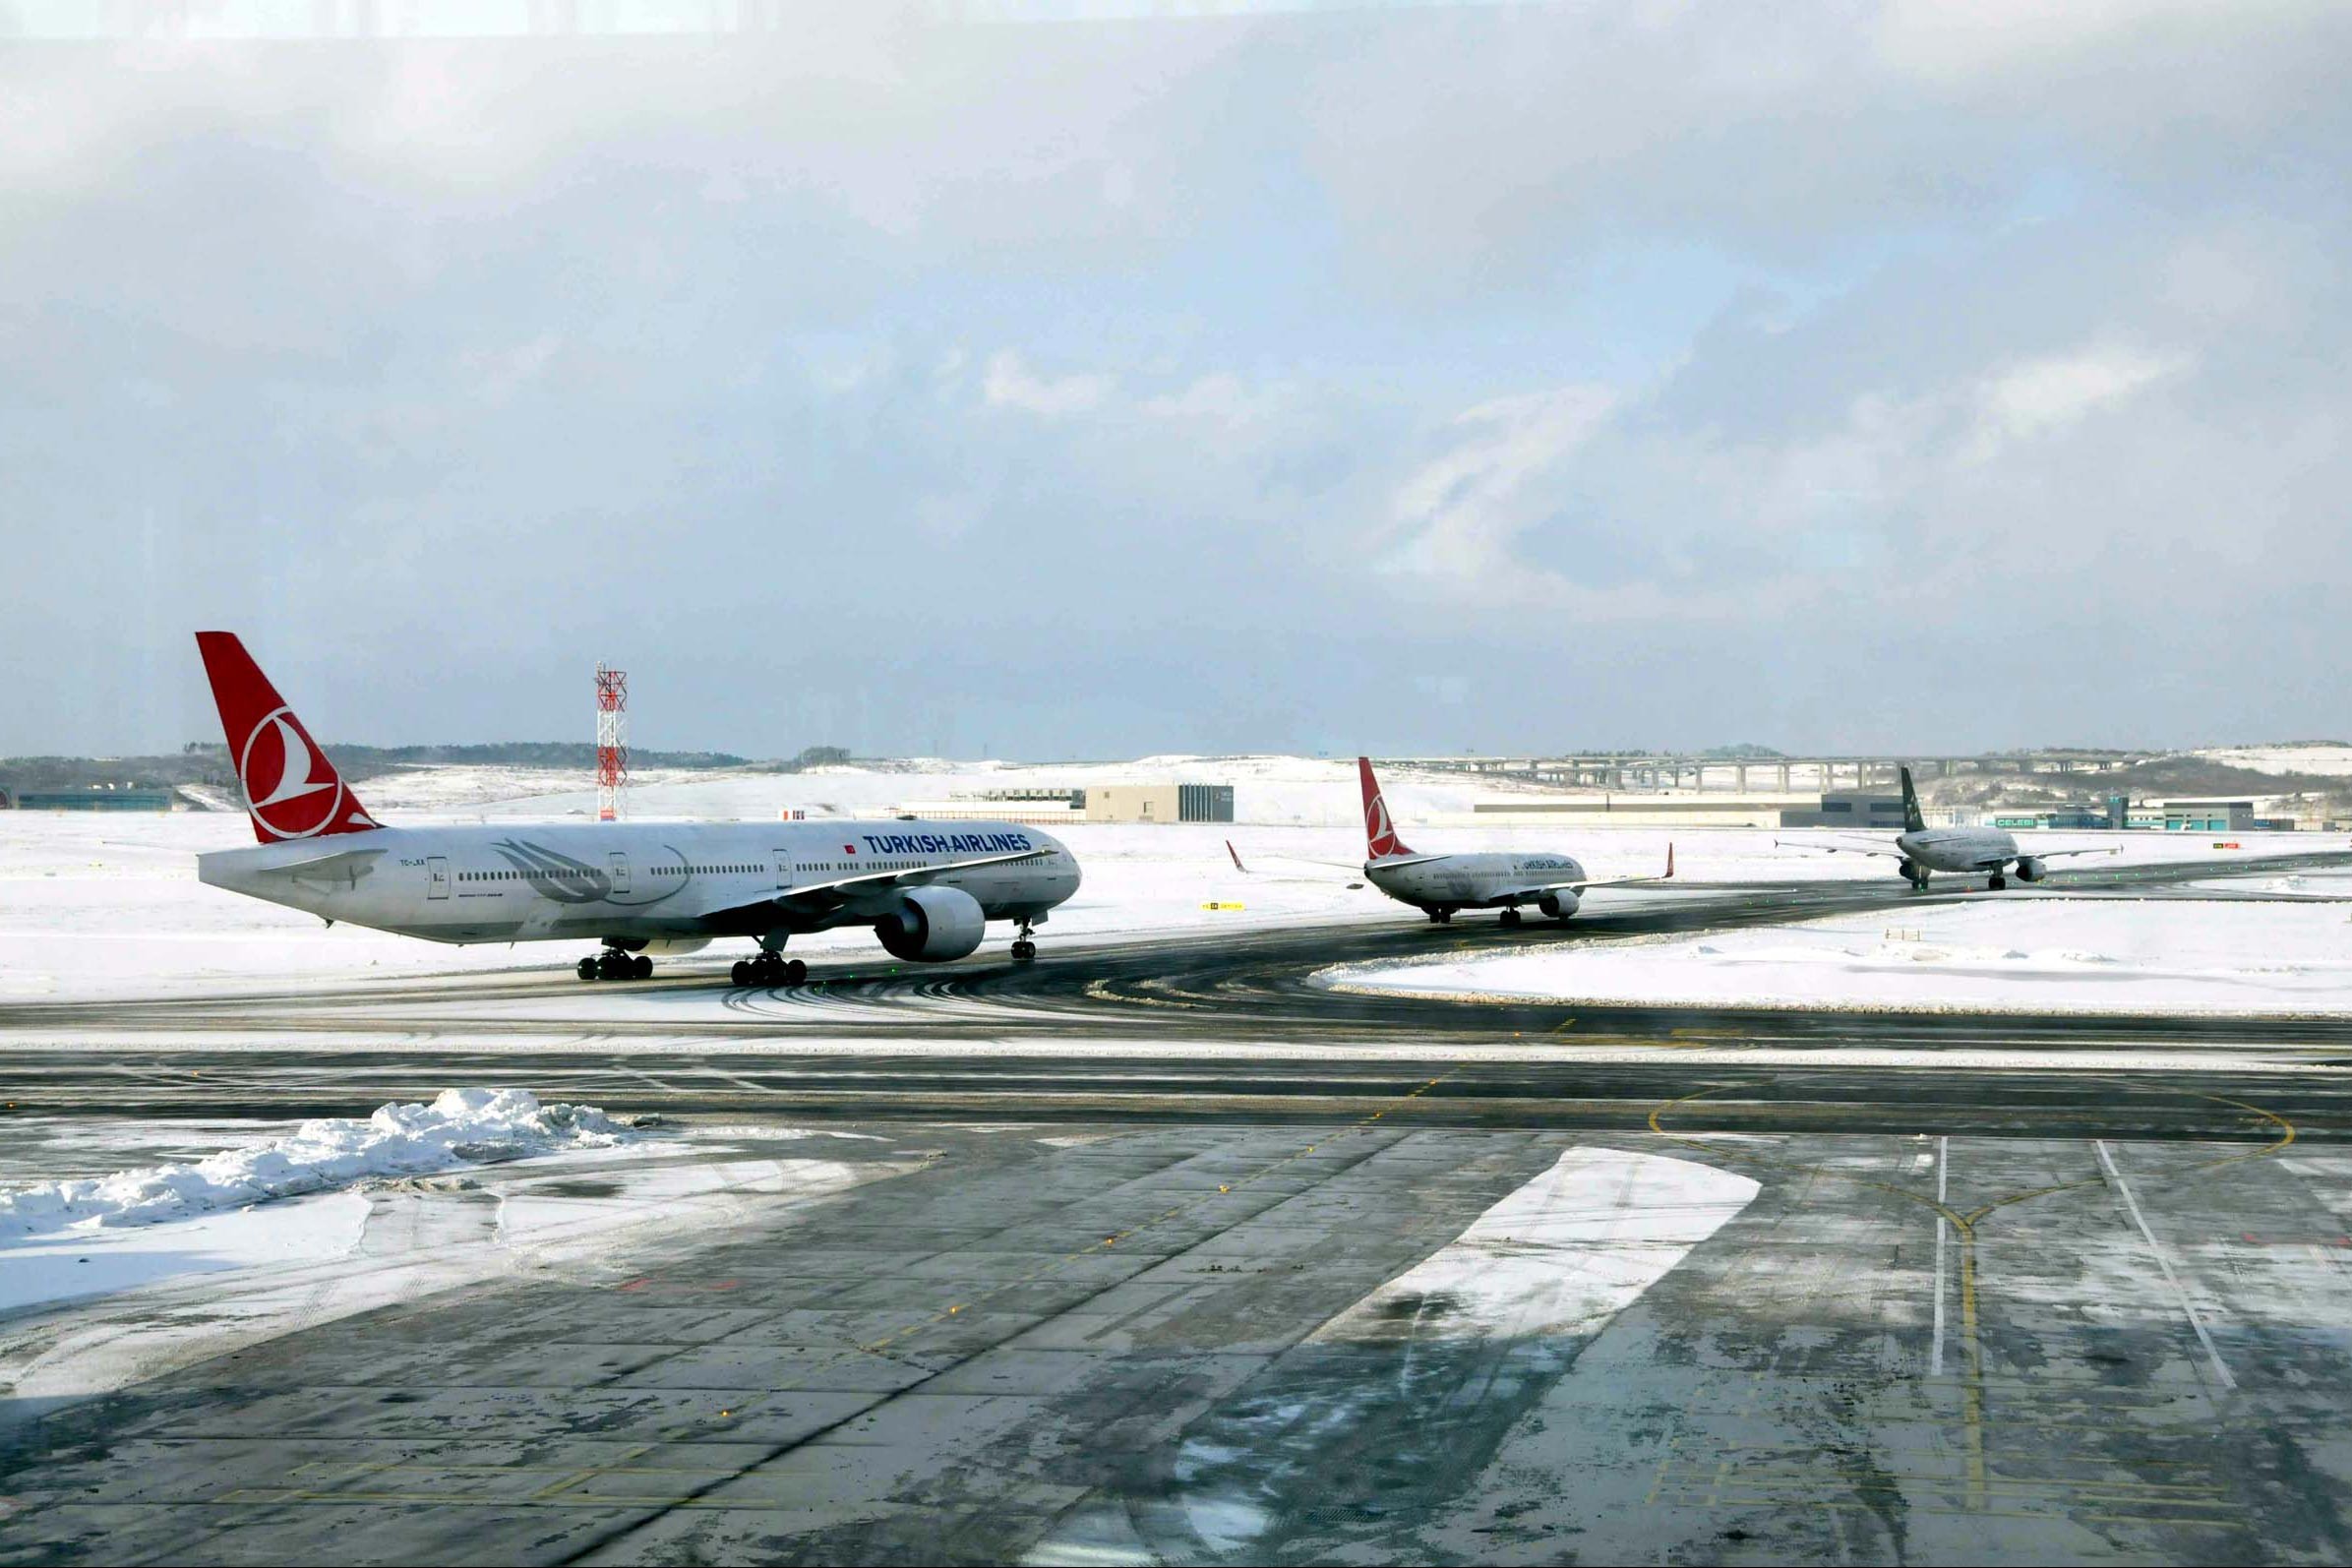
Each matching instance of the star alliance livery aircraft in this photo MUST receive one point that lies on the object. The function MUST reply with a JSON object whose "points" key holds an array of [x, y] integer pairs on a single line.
{"points": [[1925, 850], [1440, 884], [926, 888]]}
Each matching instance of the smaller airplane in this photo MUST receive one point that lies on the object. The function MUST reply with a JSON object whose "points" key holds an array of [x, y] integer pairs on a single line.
{"points": [[1966, 850], [1440, 884]]}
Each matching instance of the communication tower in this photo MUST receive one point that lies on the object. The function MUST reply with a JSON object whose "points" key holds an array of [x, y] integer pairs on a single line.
{"points": [[612, 742]]}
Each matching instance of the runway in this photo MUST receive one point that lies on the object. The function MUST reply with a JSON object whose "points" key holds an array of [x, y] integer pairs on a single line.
{"points": [[1158, 1252]]}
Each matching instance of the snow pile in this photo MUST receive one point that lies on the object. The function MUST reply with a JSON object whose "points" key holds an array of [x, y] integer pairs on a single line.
{"points": [[462, 1127]]}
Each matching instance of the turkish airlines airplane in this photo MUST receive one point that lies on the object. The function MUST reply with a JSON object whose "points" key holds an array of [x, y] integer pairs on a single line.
{"points": [[636, 889], [1440, 884], [1986, 851]]}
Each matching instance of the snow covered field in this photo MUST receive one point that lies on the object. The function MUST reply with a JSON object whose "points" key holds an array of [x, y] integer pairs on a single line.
{"points": [[2026, 954]]}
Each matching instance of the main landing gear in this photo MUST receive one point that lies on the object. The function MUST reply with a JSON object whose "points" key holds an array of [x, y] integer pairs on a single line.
{"points": [[1996, 881], [1915, 874], [768, 968], [1510, 917], [1024, 947], [1441, 917], [614, 964]]}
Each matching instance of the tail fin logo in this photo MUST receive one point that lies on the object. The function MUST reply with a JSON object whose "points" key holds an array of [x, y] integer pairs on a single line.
{"points": [[1379, 833], [290, 789]]}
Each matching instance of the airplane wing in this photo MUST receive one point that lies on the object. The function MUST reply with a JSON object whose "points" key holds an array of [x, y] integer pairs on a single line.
{"points": [[912, 877], [1588, 884], [1352, 867], [840, 889], [2054, 854], [1845, 848]]}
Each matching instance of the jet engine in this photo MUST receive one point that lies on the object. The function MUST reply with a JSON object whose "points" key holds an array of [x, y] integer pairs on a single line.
{"points": [[932, 925], [1559, 903], [2031, 869]]}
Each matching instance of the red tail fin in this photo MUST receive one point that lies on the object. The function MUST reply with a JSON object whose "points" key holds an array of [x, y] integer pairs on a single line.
{"points": [[1379, 833], [291, 790]]}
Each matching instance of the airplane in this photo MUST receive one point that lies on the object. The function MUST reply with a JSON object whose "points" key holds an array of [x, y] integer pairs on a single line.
{"points": [[635, 888], [1440, 884], [1924, 850]]}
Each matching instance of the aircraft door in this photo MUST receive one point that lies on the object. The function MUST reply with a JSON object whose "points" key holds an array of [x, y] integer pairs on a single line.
{"points": [[783, 870], [620, 864], [437, 877]]}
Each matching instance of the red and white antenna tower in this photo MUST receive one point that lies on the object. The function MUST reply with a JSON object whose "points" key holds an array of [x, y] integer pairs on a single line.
{"points": [[612, 742]]}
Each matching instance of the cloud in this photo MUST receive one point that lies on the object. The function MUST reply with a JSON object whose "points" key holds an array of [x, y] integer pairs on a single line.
{"points": [[1009, 383], [1853, 353], [2043, 396]]}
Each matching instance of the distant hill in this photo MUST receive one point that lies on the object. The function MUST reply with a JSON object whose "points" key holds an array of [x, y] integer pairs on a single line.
{"points": [[208, 764]]}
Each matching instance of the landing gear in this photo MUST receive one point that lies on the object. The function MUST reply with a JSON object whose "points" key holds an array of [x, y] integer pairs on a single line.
{"points": [[1441, 917], [1916, 876], [1510, 917], [1024, 946], [614, 964], [1996, 881], [769, 969]]}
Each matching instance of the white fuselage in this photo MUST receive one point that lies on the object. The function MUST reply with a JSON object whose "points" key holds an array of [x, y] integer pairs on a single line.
{"points": [[636, 884], [1491, 879], [1958, 849]]}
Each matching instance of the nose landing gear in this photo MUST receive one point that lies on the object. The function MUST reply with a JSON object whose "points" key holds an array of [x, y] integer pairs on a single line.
{"points": [[1510, 917], [614, 964], [1024, 949]]}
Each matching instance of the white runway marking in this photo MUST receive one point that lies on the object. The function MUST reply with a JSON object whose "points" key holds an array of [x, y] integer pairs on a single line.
{"points": [[1561, 1256], [1934, 1358], [2180, 1293]]}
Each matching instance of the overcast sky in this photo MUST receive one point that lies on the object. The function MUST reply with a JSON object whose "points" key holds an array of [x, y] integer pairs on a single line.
{"points": [[1514, 378]]}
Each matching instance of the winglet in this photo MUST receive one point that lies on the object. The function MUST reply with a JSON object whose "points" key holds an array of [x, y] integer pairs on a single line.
{"points": [[1237, 855]]}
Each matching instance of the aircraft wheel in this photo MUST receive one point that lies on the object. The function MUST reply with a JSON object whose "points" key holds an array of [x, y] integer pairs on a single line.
{"points": [[795, 972], [587, 969], [1996, 882], [740, 974], [643, 969], [1510, 917], [1024, 950]]}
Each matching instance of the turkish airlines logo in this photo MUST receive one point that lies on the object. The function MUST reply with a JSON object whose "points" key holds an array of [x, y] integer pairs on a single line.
{"points": [[1379, 832], [291, 790]]}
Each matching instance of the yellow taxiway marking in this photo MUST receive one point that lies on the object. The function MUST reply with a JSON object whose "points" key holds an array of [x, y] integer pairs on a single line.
{"points": [[1963, 1224]]}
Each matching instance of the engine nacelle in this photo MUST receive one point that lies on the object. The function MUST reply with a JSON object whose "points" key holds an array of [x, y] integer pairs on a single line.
{"points": [[1559, 903], [932, 925], [2031, 869]]}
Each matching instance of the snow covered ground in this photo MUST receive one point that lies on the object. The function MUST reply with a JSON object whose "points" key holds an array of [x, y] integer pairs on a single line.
{"points": [[2316, 758], [2024, 954], [94, 906], [92, 1306]]}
